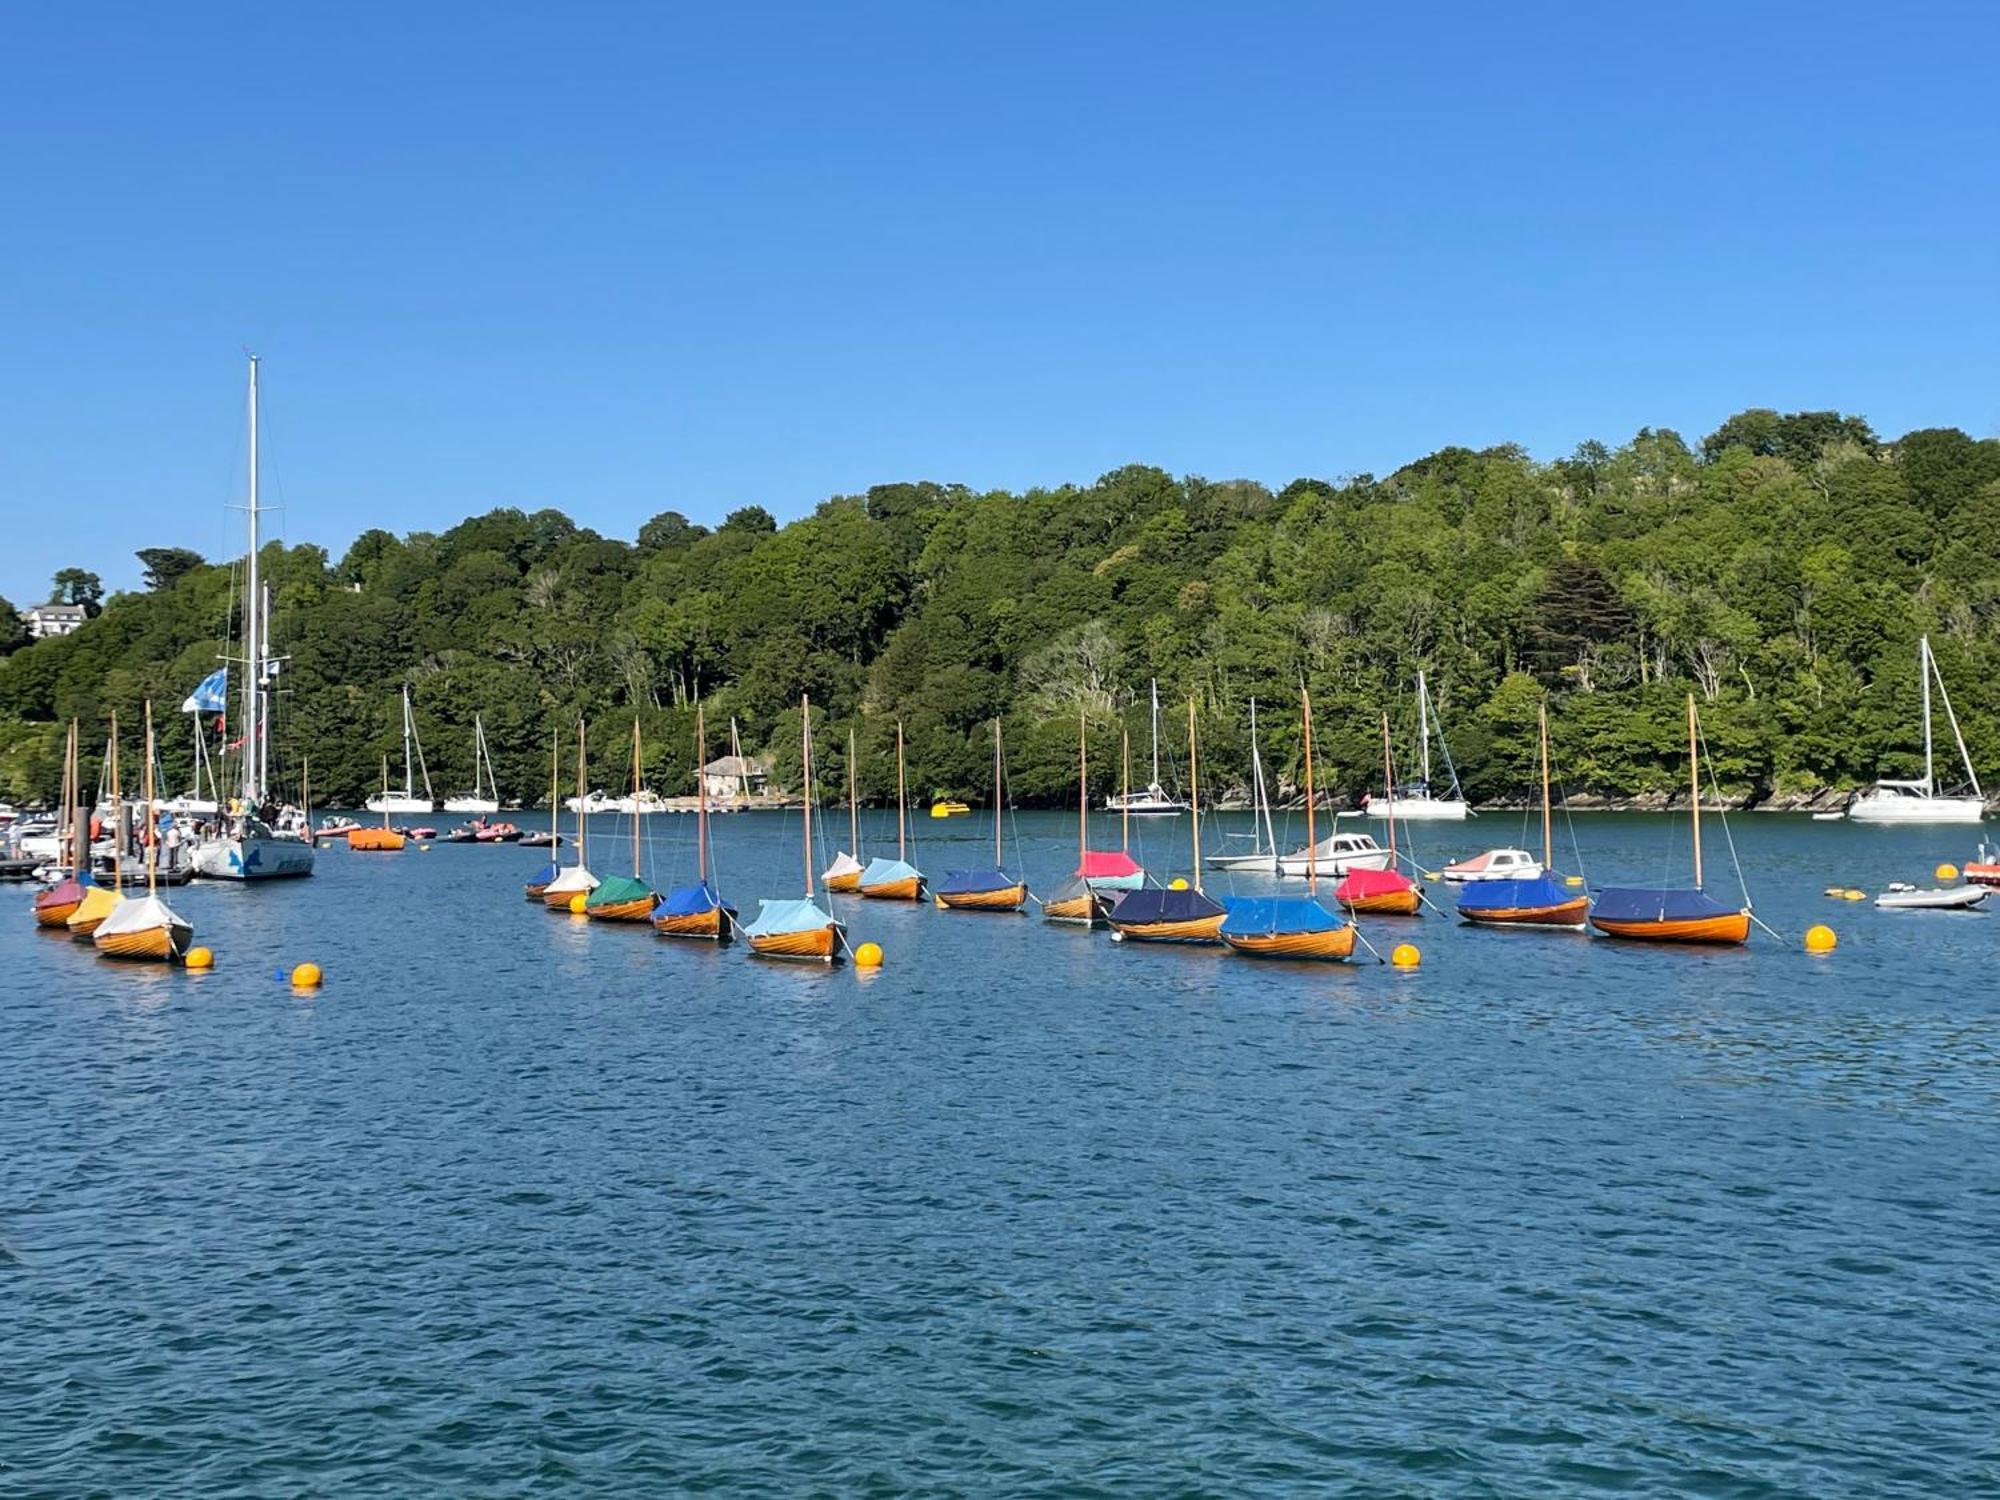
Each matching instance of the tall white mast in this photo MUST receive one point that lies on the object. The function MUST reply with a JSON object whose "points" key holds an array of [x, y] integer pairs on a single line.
{"points": [[1424, 725], [253, 651], [1156, 731], [409, 780], [264, 701], [1924, 671]]}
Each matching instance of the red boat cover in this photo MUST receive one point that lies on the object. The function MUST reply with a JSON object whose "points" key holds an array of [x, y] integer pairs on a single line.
{"points": [[1372, 883], [1106, 866]]}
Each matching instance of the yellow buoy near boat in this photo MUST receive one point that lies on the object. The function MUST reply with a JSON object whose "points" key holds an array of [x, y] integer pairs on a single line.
{"points": [[1406, 956], [1177, 884], [868, 956], [578, 902], [199, 958], [1946, 871], [306, 976], [1850, 894], [1820, 938]]}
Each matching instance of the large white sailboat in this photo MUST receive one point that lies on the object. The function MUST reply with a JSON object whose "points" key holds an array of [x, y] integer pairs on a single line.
{"points": [[485, 794], [247, 847], [407, 800], [1890, 801], [1154, 801], [1264, 854], [1413, 802]]}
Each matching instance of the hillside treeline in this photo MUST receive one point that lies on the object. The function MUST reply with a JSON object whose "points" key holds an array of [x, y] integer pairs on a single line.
{"points": [[1782, 570]]}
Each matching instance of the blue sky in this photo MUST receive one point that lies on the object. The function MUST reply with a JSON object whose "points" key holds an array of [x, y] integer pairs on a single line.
{"points": [[625, 258]]}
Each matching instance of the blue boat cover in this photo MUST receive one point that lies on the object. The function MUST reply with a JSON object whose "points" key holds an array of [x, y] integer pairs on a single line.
{"points": [[1271, 916], [1158, 904], [688, 901], [776, 918], [545, 874], [888, 871], [974, 882], [1630, 905], [1513, 895]]}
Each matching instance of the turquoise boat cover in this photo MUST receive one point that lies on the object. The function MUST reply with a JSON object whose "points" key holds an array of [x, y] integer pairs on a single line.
{"points": [[1273, 916], [888, 871], [1476, 896], [776, 918]]}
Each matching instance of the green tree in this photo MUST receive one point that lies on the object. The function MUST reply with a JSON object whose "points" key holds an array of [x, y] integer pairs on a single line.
{"points": [[76, 586], [166, 566]]}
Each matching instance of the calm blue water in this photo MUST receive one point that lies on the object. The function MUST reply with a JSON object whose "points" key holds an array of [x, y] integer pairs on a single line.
{"points": [[518, 1204]]}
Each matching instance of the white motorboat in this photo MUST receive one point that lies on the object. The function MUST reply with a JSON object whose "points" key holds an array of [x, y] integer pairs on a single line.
{"points": [[1335, 855], [1903, 897], [591, 803], [1495, 864], [1413, 801], [406, 800], [1154, 801], [1920, 801]]}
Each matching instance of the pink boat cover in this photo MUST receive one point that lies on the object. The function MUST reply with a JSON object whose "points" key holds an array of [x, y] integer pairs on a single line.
{"points": [[1372, 883], [1106, 866]]}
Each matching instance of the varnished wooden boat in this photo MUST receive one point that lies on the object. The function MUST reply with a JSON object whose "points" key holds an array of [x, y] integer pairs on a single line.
{"points": [[1084, 908], [1331, 944], [1571, 913], [1728, 927], [844, 880], [96, 905], [908, 888], [1007, 898], [55, 906], [821, 944], [1407, 903], [1199, 930], [165, 940], [712, 925], [636, 910]]}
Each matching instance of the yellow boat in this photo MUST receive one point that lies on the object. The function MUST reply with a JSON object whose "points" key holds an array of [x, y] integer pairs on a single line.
{"points": [[145, 929], [98, 903]]}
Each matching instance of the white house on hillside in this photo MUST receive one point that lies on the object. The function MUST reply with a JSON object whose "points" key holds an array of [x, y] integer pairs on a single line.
{"points": [[734, 776], [45, 620]]}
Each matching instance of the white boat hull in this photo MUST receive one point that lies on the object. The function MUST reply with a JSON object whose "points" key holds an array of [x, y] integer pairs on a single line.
{"points": [[470, 805], [1256, 863], [1417, 809], [1333, 866], [397, 803], [253, 859], [1870, 809], [1950, 898]]}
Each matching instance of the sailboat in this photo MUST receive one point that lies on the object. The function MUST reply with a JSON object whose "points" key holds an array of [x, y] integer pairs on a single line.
{"points": [[406, 799], [485, 795], [798, 929], [55, 906], [1075, 901], [1414, 802], [576, 879], [1264, 856], [1163, 914], [1528, 900], [383, 840], [147, 928], [539, 882], [1155, 801], [1112, 872], [895, 879], [1921, 801], [621, 898], [986, 890], [696, 911], [192, 803], [1384, 891], [247, 847], [99, 901], [1291, 926], [1679, 914], [844, 874]]}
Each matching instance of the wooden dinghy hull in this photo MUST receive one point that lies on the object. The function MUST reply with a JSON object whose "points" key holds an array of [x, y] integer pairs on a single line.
{"points": [[1733, 927], [1197, 930], [1334, 945], [1388, 904], [534, 892], [622, 911], [58, 912], [848, 883], [711, 925], [1009, 898], [98, 903], [820, 945], [908, 889], [165, 944], [1081, 911], [1571, 914]]}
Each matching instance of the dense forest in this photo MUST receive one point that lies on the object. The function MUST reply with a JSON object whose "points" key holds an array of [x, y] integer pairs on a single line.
{"points": [[1782, 570]]}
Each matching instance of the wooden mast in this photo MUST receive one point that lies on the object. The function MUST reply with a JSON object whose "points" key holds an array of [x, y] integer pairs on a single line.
{"points": [[1312, 841], [853, 807], [1125, 790], [1548, 840], [635, 796], [806, 768], [385, 793], [582, 832], [996, 794], [901, 795], [1194, 796], [555, 789], [152, 832], [1389, 780], [306, 794], [701, 796], [1694, 786], [117, 814], [1082, 787]]}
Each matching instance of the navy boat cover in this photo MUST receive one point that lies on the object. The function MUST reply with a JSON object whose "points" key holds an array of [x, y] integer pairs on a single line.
{"points": [[1618, 904]]}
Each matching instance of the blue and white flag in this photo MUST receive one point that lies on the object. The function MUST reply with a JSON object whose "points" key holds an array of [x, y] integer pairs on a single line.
{"points": [[212, 696]]}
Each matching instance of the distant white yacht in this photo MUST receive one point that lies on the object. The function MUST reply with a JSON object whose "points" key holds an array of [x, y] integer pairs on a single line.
{"points": [[1920, 801], [1412, 801], [1154, 800]]}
